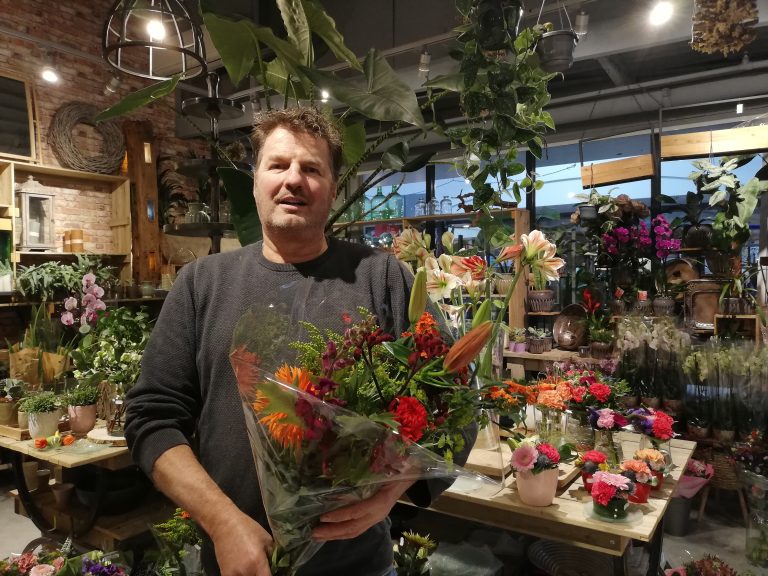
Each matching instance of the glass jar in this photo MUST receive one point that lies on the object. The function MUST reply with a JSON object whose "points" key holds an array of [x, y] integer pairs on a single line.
{"points": [[197, 213], [433, 207], [395, 204], [420, 209], [147, 289], [446, 206], [378, 205]]}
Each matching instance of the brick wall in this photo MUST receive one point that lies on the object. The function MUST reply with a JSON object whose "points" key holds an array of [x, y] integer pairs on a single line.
{"points": [[78, 24]]}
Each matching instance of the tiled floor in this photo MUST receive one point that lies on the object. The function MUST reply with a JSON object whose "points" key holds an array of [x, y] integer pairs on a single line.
{"points": [[722, 532]]}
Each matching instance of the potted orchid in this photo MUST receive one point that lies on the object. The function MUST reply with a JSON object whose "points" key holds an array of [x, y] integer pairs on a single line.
{"points": [[536, 470], [610, 494]]}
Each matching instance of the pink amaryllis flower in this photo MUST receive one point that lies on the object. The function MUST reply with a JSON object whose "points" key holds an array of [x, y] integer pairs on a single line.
{"points": [[524, 457], [475, 265]]}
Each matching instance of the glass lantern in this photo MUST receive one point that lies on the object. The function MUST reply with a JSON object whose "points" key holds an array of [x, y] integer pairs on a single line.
{"points": [[37, 232]]}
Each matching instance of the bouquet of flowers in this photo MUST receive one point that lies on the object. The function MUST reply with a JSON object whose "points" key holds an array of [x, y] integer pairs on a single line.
{"points": [[652, 457], [590, 462], [610, 493], [534, 456], [639, 473], [356, 411], [696, 475], [707, 566], [606, 419], [653, 424]]}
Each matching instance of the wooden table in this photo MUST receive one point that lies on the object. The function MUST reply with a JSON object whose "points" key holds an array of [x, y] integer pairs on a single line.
{"points": [[567, 519], [37, 507], [525, 361]]}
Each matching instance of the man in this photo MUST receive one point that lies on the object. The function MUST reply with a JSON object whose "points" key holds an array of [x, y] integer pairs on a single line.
{"points": [[187, 387]]}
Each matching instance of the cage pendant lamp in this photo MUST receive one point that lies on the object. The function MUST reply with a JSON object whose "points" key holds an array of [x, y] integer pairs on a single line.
{"points": [[154, 39]]}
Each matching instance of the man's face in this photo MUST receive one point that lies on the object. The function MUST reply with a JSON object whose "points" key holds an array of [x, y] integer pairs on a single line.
{"points": [[294, 185]]}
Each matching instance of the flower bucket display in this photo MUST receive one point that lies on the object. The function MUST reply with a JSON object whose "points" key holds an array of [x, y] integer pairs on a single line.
{"points": [[537, 489]]}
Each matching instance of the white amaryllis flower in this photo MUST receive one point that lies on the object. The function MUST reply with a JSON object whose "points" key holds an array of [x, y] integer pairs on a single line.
{"points": [[453, 313], [475, 288], [539, 254], [440, 284], [410, 246]]}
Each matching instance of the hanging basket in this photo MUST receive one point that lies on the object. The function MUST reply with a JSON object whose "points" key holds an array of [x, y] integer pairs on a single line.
{"points": [[555, 50]]}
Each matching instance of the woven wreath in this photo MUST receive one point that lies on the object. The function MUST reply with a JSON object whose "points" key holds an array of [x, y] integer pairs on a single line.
{"points": [[66, 149]]}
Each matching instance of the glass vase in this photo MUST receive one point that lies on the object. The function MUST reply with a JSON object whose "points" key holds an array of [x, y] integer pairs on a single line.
{"points": [[605, 443], [549, 425], [578, 431]]}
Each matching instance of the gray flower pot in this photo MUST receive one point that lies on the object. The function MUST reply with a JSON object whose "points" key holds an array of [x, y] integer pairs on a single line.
{"points": [[555, 50]]}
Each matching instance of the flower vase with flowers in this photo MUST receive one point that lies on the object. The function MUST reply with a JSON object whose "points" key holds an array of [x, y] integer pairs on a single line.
{"points": [[590, 462], [639, 472], [548, 413], [536, 470], [605, 421], [610, 493], [656, 461], [655, 428]]}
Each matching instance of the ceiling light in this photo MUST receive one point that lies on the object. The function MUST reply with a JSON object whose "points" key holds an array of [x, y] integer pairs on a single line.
{"points": [[424, 61], [156, 30], [324, 95], [174, 45], [739, 108], [48, 71], [661, 13], [112, 86], [582, 22]]}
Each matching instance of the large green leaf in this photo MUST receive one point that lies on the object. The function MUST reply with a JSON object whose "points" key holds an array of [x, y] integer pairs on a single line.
{"points": [[384, 96], [324, 26], [138, 99], [452, 82], [284, 50], [239, 187], [296, 25], [278, 78], [354, 143], [235, 44]]}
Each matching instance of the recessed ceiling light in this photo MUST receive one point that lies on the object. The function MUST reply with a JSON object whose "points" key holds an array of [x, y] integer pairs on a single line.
{"points": [[739, 108], [661, 13], [324, 95]]}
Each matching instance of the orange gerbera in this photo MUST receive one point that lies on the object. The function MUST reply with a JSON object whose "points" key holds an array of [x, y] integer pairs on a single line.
{"points": [[550, 399], [528, 391], [502, 397], [288, 435], [295, 376]]}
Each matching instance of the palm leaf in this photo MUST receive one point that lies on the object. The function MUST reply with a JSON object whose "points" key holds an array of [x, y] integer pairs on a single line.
{"points": [[235, 44], [239, 187], [324, 26], [138, 99]]}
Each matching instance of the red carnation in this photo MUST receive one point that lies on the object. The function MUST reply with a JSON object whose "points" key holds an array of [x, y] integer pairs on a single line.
{"points": [[602, 493], [549, 451], [662, 426], [411, 416], [594, 456], [601, 392], [577, 392]]}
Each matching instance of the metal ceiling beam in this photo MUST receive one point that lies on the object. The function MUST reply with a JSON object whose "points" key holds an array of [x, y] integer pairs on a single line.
{"points": [[614, 70]]}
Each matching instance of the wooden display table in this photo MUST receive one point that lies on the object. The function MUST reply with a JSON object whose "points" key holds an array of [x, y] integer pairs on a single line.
{"points": [[541, 362], [568, 519]]}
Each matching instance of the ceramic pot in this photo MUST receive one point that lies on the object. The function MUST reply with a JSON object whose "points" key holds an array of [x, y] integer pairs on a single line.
{"points": [[541, 300], [537, 489], [642, 307], [539, 345], [586, 478], [642, 491], [43, 424], [62, 493], [615, 509], [618, 307], [23, 419], [663, 306], [502, 283], [520, 346], [82, 419], [600, 350], [8, 413]]}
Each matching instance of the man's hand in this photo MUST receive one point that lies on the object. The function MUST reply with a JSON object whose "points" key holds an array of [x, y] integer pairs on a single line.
{"points": [[243, 547], [353, 520]]}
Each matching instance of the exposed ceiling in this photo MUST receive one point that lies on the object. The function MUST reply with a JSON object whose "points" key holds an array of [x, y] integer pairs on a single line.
{"points": [[624, 71]]}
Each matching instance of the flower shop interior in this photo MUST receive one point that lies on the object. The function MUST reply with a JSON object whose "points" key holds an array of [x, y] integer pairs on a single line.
{"points": [[578, 187]]}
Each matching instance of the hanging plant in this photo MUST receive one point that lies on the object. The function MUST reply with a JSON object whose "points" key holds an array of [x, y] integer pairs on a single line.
{"points": [[726, 27]]}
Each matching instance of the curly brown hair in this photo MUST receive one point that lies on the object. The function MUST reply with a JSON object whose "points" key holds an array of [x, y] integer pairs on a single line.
{"points": [[304, 120]]}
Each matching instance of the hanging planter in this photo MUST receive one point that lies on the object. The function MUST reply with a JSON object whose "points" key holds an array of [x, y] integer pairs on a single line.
{"points": [[555, 48]]}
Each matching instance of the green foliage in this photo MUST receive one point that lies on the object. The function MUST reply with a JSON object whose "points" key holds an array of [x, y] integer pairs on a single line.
{"points": [[539, 332], [5, 268], [12, 388], [41, 402], [411, 554], [112, 350], [138, 99], [178, 531], [84, 394], [58, 279]]}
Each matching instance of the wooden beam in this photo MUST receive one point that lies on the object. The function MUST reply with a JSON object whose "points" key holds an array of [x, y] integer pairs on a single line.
{"points": [[617, 171], [522, 219], [718, 142]]}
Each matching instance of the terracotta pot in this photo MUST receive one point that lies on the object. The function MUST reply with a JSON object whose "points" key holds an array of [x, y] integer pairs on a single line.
{"points": [[642, 491], [62, 493], [537, 489], [586, 478], [82, 419], [43, 424], [541, 300]]}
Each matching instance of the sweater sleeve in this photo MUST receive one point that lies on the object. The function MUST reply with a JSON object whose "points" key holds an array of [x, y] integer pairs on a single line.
{"points": [[163, 407]]}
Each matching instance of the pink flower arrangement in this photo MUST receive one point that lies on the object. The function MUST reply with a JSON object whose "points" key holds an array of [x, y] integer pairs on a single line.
{"points": [[653, 423], [90, 301], [606, 419], [607, 486], [591, 460], [664, 241], [535, 457], [699, 469]]}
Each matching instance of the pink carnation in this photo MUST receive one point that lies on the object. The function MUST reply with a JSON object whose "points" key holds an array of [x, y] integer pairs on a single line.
{"points": [[605, 418], [617, 480]]}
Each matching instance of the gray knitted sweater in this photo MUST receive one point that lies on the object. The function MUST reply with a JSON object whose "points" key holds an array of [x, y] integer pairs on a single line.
{"points": [[187, 387]]}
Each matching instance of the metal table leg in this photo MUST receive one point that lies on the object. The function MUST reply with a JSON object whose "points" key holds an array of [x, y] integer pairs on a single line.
{"points": [[654, 549]]}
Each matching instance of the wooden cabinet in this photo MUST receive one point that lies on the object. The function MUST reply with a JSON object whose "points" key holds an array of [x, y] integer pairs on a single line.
{"points": [[97, 203]]}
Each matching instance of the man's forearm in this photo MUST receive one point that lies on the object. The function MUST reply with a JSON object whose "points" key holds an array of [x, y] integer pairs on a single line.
{"points": [[181, 477]]}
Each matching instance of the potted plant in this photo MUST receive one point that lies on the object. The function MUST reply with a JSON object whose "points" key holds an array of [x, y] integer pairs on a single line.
{"points": [[81, 407], [639, 473], [591, 461], [536, 470], [43, 410], [539, 340], [6, 277], [11, 391], [110, 356], [598, 327], [696, 232], [609, 495], [517, 339]]}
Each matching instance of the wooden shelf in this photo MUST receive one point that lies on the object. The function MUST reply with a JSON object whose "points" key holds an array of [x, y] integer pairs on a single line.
{"points": [[458, 216], [553, 313]]}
